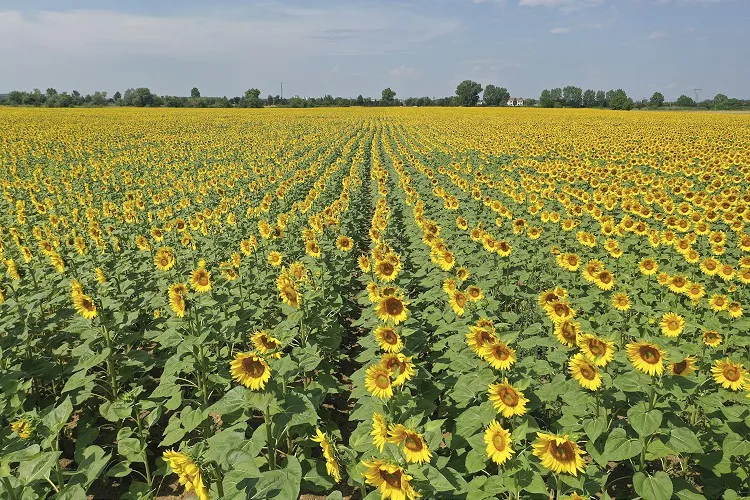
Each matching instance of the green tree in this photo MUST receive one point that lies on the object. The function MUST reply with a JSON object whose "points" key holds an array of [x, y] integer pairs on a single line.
{"points": [[495, 96], [467, 93], [620, 100], [194, 92], [588, 99], [252, 99], [685, 101], [572, 96], [545, 99], [117, 96], [388, 97], [601, 99], [657, 99]]}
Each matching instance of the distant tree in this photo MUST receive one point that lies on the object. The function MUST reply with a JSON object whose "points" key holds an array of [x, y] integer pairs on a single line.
{"points": [[50, 92], [117, 96], [252, 99], [601, 99], [719, 99], [620, 100], [588, 99], [572, 96], [529, 102], [495, 96], [467, 93], [685, 101], [360, 100], [99, 99], [194, 92], [545, 99], [388, 97], [657, 99], [140, 97], [557, 97]]}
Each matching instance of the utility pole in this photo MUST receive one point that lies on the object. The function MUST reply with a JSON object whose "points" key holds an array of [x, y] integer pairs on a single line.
{"points": [[282, 90]]}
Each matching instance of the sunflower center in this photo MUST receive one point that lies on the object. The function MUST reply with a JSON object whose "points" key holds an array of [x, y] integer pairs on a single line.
{"points": [[389, 337], [587, 372], [673, 324], [203, 279], [413, 443], [386, 268], [508, 396], [563, 452], [87, 304], [253, 367], [460, 299], [569, 332], [680, 367], [605, 277], [268, 343], [679, 282], [394, 306], [731, 373], [498, 441], [163, 261], [393, 480], [648, 265], [572, 261], [382, 381], [649, 355], [597, 347], [561, 309], [501, 352], [474, 292]]}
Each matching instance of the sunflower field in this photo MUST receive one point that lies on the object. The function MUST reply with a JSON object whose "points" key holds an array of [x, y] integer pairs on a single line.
{"points": [[374, 303]]}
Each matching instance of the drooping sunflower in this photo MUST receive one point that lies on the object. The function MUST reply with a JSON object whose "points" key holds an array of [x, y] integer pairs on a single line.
{"points": [[415, 447], [288, 291], [250, 370], [672, 324], [728, 374], [200, 280], [332, 466], [584, 372], [646, 357], [379, 431], [177, 299], [84, 305], [188, 471], [392, 308], [559, 453], [391, 480], [388, 339], [458, 302], [363, 261], [378, 381], [498, 355], [598, 350], [265, 343], [506, 399], [498, 441], [99, 275], [684, 367], [400, 367], [711, 338], [621, 301]]}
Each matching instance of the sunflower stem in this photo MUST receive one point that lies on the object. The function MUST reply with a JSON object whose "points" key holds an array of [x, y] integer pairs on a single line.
{"points": [[269, 440], [9, 488], [111, 370]]}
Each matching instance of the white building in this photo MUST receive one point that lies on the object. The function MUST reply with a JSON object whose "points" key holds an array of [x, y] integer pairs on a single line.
{"points": [[515, 101]]}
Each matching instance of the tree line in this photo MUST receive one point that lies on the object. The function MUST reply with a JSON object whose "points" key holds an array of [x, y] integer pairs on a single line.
{"points": [[467, 94]]}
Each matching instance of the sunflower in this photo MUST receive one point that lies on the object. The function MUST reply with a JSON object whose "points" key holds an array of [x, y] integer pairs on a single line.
{"points": [[604, 280], [275, 258], [558, 453], [548, 298], [363, 261], [250, 370], [84, 305], [560, 311], [498, 441], [734, 309], [344, 243], [399, 366], [621, 301], [480, 334], [458, 301], [332, 466], [200, 280], [672, 324], [462, 274], [474, 293], [718, 302], [498, 355], [373, 292], [379, 431], [415, 447], [711, 338], [449, 286], [678, 284], [567, 332], [728, 374], [164, 259], [599, 351], [189, 473], [709, 266], [99, 275], [288, 291], [391, 480], [684, 367], [23, 427], [177, 299], [695, 292], [391, 308], [265, 343], [378, 381], [313, 249], [646, 357], [507, 399], [385, 270], [569, 261], [388, 339], [584, 372], [648, 266]]}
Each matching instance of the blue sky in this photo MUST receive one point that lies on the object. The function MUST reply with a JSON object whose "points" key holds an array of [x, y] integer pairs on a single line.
{"points": [[419, 47]]}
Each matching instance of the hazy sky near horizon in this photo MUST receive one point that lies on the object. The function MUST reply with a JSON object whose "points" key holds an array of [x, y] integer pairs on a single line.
{"points": [[345, 48]]}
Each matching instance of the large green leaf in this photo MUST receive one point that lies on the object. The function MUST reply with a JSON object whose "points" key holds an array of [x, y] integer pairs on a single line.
{"points": [[656, 487], [619, 447]]}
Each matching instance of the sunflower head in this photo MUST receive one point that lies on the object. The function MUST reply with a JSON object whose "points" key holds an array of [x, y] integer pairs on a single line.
{"points": [[250, 370], [559, 454]]}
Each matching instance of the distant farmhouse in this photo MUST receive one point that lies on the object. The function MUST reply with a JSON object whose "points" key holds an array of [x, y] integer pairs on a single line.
{"points": [[515, 101]]}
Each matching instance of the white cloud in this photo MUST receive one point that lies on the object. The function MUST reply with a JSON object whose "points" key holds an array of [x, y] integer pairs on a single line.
{"points": [[559, 31]]}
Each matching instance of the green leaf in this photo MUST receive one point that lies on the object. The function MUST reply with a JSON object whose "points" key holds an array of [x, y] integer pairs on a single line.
{"points": [[57, 418], [90, 467], [281, 484], [656, 487], [595, 427], [620, 447], [437, 480], [131, 449], [37, 467], [476, 460], [683, 440], [644, 422]]}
